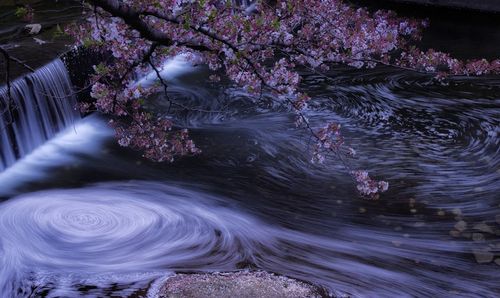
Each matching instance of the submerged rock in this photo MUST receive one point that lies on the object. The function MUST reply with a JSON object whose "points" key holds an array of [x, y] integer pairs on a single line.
{"points": [[483, 255], [242, 284]]}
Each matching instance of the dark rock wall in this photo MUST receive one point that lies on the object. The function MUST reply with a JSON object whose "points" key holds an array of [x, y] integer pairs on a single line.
{"points": [[483, 5], [80, 62]]}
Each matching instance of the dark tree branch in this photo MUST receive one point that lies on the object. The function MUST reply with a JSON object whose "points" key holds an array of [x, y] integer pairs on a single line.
{"points": [[133, 19], [7, 56]]}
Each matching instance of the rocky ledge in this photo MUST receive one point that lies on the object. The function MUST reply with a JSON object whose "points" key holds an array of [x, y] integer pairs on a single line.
{"points": [[243, 284]]}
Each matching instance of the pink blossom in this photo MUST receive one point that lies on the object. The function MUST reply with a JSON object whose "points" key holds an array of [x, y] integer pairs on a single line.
{"points": [[259, 50]]}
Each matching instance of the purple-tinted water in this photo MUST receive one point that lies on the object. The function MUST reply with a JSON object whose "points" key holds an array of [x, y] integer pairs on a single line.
{"points": [[97, 220]]}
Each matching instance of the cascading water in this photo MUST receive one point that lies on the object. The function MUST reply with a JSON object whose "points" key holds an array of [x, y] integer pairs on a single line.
{"points": [[41, 104]]}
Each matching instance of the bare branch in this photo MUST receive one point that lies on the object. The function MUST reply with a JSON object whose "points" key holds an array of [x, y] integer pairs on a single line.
{"points": [[7, 56]]}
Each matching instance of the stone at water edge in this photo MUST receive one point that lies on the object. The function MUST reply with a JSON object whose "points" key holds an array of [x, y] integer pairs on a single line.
{"points": [[483, 256], [461, 226], [243, 284], [33, 28]]}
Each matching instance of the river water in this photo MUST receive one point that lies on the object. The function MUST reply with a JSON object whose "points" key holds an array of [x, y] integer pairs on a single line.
{"points": [[83, 217]]}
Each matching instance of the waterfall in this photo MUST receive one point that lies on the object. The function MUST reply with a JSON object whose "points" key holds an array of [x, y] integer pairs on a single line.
{"points": [[41, 105]]}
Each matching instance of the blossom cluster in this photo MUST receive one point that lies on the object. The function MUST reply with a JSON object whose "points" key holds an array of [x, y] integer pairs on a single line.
{"points": [[444, 64], [329, 139], [259, 49], [367, 186], [154, 137]]}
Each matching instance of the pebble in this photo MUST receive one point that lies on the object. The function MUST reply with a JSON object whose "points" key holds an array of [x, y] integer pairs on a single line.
{"points": [[477, 237], [461, 226], [483, 227], [483, 256]]}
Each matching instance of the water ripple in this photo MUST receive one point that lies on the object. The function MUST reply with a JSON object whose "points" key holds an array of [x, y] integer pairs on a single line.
{"points": [[69, 241]]}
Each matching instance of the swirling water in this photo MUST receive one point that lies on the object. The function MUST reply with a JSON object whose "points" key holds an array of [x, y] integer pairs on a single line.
{"points": [[104, 222]]}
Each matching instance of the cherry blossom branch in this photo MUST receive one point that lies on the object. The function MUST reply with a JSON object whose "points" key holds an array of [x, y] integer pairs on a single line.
{"points": [[262, 49], [133, 18], [245, 61]]}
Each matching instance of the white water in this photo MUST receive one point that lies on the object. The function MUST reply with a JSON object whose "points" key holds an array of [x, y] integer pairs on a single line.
{"points": [[47, 102], [43, 104], [128, 233], [171, 69], [84, 137]]}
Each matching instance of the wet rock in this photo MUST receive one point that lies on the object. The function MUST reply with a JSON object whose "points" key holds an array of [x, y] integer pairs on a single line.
{"points": [[461, 226], [477, 237], [483, 227], [237, 284], [39, 41], [483, 256], [33, 28]]}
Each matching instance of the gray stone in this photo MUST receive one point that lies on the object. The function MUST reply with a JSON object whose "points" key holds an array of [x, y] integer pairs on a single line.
{"points": [[461, 226], [243, 284], [483, 255]]}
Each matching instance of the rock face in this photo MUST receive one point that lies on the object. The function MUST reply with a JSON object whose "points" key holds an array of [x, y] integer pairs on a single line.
{"points": [[237, 284]]}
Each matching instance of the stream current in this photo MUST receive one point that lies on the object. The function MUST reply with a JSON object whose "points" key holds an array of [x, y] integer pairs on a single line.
{"points": [[81, 216]]}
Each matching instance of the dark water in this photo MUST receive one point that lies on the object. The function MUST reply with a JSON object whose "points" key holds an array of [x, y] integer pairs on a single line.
{"points": [[53, 16], [83, 217]]}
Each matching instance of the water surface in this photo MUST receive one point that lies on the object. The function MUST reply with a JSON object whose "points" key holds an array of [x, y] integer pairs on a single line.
{"points": [[98, 220]]}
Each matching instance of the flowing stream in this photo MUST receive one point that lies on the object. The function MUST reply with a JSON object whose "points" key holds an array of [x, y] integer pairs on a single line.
{"points": [[81, 216]]}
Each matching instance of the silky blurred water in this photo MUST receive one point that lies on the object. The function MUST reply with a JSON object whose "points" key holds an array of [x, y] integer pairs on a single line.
{"points": [[84, 217]]}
